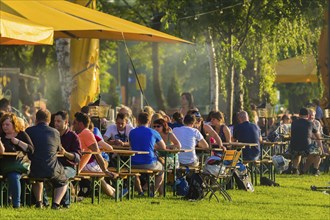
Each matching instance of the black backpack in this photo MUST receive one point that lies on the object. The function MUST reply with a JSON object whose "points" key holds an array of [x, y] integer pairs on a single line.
{"points": [[196, 188]]}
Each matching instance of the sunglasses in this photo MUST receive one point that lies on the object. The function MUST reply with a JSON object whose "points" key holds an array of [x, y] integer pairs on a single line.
{"points": [[197, 114], [157, 126]]}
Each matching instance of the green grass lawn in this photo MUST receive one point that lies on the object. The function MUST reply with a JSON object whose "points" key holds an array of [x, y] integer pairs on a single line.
{"points": [[292, 200]]}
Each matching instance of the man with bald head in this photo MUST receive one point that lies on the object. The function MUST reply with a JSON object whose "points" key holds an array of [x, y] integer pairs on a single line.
{"points": [[247, 132]]}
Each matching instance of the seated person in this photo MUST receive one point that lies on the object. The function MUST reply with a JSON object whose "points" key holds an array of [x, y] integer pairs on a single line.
{"points": [[143, 138], [171, 142], [14, 139], [189, 137], [247, 132], [302, 132], [89, 144], [117, 134], [44, 163], [71, 149]]}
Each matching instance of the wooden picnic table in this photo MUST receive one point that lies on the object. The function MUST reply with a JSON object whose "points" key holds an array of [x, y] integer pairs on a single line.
{"points": [[167, 153], [239, 144], [9, 154]]}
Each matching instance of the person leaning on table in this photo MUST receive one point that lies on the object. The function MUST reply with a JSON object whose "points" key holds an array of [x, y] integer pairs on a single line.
{"points": [[14, 139], [89, 144], [71, 149], [189, 137]]}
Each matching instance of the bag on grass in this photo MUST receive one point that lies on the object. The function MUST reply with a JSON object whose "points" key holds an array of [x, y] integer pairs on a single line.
{"points": [[264, 181], [181, 184], [280, 163], [196, 188], [243, 182]]}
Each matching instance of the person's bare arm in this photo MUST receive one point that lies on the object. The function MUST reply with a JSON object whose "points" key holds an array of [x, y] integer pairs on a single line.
{"points": [[203, 144], [227, 133], [2, 148], [318, 139], [100, 160], [160, 145], [105, 146], [175, 141], [208, 129]]}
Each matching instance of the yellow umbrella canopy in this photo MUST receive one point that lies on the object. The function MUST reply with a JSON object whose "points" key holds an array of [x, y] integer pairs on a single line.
{"points": [[74, 21], [65, 26], [15, 30], [301, 69]]}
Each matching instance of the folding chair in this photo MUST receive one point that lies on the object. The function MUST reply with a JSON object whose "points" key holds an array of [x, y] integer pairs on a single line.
{"points": [[217, 181]]}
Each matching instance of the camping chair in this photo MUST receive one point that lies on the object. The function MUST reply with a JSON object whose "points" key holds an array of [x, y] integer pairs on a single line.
{"points": [[215, 181]]}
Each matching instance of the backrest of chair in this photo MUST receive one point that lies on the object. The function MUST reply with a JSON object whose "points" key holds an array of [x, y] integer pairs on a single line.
{"points": [[236, 158], [229, 155], [230, 159]]}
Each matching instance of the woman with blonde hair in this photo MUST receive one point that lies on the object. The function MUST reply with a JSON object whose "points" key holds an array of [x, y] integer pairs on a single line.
{"points": [[14, 139]]}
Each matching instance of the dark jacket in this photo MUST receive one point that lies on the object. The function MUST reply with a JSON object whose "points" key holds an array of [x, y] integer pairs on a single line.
{"points": [[46, 141]]}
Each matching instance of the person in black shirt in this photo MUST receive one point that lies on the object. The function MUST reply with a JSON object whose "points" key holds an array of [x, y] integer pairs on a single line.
{"points": [[302, 131]]}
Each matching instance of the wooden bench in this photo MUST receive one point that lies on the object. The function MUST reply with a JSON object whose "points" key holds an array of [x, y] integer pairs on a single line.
{"points": [[3, 191], [95, 178], [253, 169], [151, 177]]}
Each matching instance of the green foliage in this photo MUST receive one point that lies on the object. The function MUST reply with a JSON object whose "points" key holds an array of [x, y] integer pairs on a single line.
{"points": [[263, 33], [296, 95], [174, 92]]}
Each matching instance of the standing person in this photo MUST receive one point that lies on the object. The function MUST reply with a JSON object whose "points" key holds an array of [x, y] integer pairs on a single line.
{"points": [[71, 149], [247, 132], [302, 132], [117, 134], [89, 144], [187, 103], [143, 138], [44, 163], [14, 139], [318, 111], [189, 137]]}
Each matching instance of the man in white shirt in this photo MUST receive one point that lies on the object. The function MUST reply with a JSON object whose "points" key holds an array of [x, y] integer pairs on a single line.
{"points": [[189, 138], [117, 134]]}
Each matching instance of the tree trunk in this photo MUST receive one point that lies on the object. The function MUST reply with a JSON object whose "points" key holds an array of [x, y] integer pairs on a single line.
{"points": [[156, 77], [238, 91], [231, 74], [65, 78], [214, 76]]}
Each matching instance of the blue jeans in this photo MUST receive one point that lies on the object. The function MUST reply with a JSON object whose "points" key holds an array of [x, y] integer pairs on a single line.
{"points": [[69, 173], [14, 188]]}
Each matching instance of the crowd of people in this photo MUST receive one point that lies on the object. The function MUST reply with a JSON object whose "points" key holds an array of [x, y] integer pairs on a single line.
{"points": [[50, 135]]}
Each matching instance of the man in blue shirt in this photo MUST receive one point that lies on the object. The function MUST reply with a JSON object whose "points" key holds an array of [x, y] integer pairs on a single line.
{"points": [[247, 132], [144, 138]]}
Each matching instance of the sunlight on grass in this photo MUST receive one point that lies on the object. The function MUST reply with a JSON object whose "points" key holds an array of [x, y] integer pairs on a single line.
{"points": [[292, 200]]}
